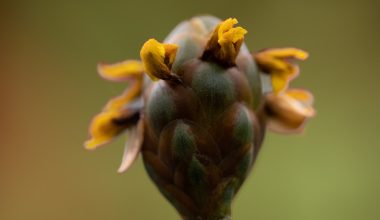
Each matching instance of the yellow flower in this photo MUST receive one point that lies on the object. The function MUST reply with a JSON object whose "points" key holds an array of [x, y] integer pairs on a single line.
{"points": [[279, 63], [287, 110], [225, 42], [158, 59], [103, 129], [121, 113]]}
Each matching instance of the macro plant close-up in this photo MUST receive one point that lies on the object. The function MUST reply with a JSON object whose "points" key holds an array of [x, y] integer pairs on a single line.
{"points": [[197, 107], [192, 110]]}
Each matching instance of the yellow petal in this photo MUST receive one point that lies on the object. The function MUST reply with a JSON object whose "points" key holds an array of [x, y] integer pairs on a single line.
{"points": [[103, 129], [225, 42], [301, 95], [133, 91], [287, 112], [279, 63], [158, 59], [121, 71], [170, 54], [289, 52], [117, 115], [228, 34], [279, 81], [226, 25]]}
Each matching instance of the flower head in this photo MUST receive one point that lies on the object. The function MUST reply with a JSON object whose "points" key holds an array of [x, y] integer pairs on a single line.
{"points": [[195, 108]]}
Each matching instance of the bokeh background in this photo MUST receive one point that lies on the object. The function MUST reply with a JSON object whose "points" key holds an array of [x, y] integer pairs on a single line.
{"points": [[50, 90]]}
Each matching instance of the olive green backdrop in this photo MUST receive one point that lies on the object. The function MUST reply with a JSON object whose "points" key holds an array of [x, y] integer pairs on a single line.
{"points": [[51, 88]]}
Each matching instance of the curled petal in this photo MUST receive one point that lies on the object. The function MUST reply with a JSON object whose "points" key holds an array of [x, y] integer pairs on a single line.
{"points": [[170, 53], [104, 127], [279, 81], [302, 95], [287, 112], [119, 114], [132, 146], [121, 71], [279, 63], [288, 53], [225, 42], [158, 59], [131, 94], [228, 34]]}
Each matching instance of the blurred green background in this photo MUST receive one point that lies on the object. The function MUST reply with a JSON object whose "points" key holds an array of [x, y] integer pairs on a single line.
{"points": [[50, 91]]}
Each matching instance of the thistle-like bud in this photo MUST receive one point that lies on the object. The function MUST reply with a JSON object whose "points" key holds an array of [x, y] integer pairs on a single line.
{"points": [[202, 135], [200, 118]]}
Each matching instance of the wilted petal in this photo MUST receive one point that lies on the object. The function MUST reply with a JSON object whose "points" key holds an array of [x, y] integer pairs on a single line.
{"points": [[287, 112], [132, 146], [158, 59], [121, 71], [279, 63], [225, 42]]}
